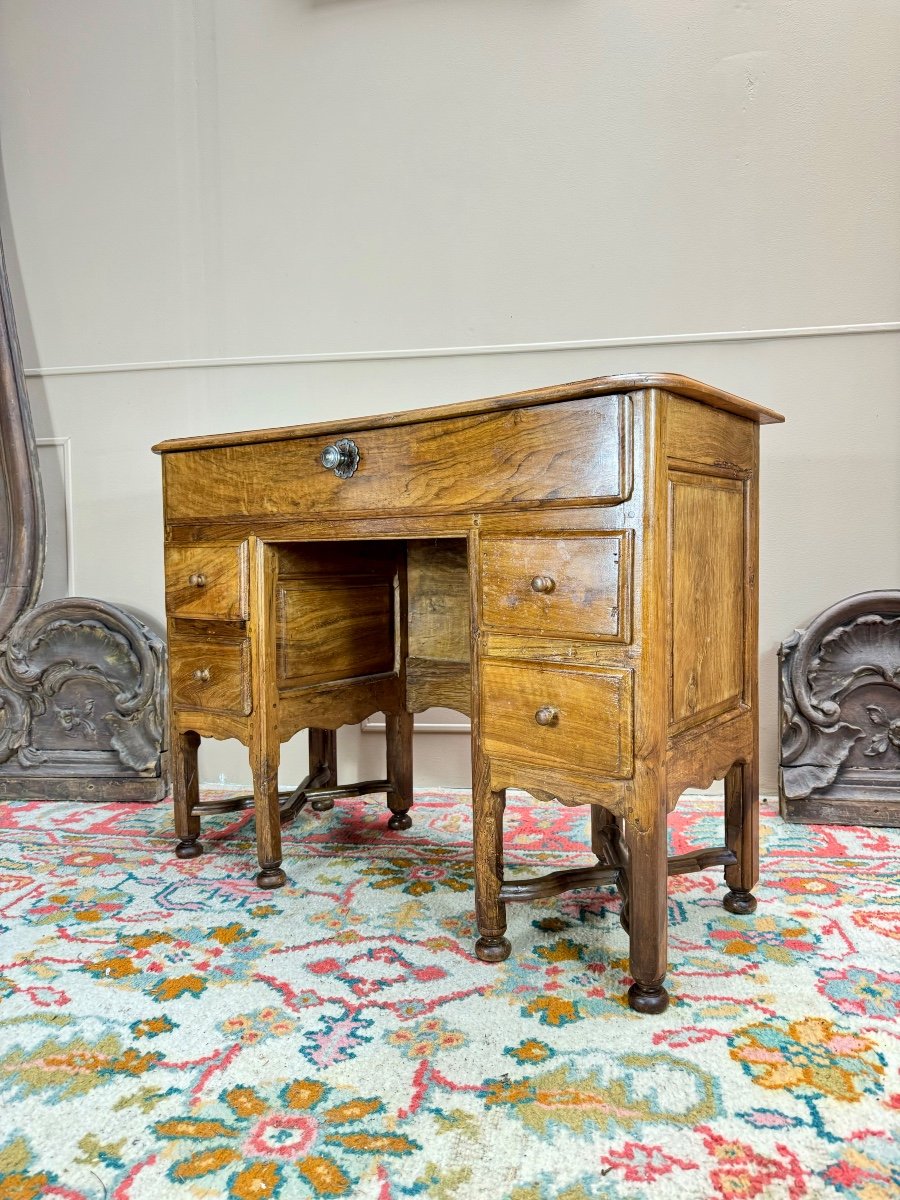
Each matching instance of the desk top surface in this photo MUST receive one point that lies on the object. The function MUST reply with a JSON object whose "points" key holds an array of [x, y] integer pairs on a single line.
{"points": [[680, 385]]}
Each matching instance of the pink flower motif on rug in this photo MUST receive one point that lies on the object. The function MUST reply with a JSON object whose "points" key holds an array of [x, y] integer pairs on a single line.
{"points": [[643, 1164]]}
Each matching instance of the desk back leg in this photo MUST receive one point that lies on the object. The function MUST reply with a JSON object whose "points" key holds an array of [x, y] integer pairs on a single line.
{"points": [[323, 753], [264, 758], [400, 768]]}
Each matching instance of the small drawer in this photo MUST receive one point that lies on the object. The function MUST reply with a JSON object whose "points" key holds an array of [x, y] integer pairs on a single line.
{"points": [[207, 581], [558, 586], [212, 675], [544, 716]]}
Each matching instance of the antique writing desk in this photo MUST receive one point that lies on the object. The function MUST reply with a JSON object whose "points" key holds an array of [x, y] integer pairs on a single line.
{"points": [[575, 567]]}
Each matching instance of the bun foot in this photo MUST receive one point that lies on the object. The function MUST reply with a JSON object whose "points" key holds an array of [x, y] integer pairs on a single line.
{"points": [[271, 877], [322, 805], [400, 820], [492, 949], [648, 1000], [740, 902], [188, 848]]}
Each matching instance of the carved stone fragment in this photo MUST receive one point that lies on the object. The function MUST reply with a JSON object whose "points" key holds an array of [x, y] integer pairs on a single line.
{"points": [[840, 715], [82, 683]]}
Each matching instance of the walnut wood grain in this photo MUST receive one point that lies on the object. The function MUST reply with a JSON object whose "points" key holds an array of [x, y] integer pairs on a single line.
{"points": [[706, 578], [576, 566], [264, 739], [398, 718], [488, 802], [431, 683], [311, 527], [331, 629], [534, 456], [207, 581], [698, 757], [322, 764], [186, 792], [439, 624], [579, 878], [713, 439], [677, 385], [333, 704], [591, 725], [211, 675], [555, 882], [561, 586], [569, 651]]}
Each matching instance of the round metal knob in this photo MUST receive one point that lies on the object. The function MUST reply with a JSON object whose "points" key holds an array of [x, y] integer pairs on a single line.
{"points": [[342, 458], [548, 715], [202, 674], [543, 583], [197, 580]]}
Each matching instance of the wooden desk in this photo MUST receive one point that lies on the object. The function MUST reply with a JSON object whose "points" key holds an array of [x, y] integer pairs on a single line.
{"points": [[575, 567]]}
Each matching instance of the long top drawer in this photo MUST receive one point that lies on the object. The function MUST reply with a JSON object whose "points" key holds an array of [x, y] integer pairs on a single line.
{"points": [[570, 453]]}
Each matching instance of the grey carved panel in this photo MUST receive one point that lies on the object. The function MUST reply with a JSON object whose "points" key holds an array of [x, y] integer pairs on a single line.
{"points": [[82, 683], [840, 723]]}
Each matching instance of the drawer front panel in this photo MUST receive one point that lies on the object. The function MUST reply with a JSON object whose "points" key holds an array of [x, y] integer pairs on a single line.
{"points": [[559, 454], [541, 715], [212, 675], [336, 629], [565, 586], [207, 581]]}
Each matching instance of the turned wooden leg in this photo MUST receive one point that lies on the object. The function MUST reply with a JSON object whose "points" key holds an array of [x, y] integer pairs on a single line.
{"points": [[265, 749], [648, 913], [400, 768], [186, 792], [264, 765], [742, 836], [490, 911], [323, 753]]}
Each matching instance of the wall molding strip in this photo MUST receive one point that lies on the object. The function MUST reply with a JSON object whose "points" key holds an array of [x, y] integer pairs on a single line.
{"points": [[665, 339]]}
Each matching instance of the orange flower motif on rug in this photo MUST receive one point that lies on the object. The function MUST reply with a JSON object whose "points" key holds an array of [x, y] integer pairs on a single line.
{"points": [[812, 1054], [262, 1142]]}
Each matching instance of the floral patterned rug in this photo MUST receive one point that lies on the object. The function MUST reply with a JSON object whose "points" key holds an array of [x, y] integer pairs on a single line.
{"points": [[166, 1030]]}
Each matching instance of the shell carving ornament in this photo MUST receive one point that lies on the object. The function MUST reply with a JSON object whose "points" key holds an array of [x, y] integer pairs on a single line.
{"points": [[840, 706], [82, 682], [93, 671]]}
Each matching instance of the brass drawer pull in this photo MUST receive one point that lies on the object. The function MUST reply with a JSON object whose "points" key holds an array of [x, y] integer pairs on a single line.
{"points": [[197, 580], [342, 458], [543, 584], [202, 674], [548, 715]]}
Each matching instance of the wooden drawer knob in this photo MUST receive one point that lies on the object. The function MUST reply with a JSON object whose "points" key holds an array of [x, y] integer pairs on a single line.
{"points": [[548, 715], [197, 580], [543, 584], [202, 674]]}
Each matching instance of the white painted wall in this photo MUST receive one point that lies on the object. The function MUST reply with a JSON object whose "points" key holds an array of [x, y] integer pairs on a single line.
{"points": [[310, 179]]}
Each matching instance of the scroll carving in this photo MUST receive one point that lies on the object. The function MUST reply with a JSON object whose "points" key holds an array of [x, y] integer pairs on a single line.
{"points": [[82, 683], [840, 704]]}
